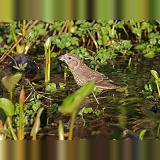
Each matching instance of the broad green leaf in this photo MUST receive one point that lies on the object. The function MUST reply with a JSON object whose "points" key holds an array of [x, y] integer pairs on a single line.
{"points": [[150, 54], [72, 102], [140, 47], [154, 74], [7, 106], [9, 82]]}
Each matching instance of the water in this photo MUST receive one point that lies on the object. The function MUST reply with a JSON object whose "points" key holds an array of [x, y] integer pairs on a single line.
{"points": [[129, 108], [117, 111], [120, 111]]}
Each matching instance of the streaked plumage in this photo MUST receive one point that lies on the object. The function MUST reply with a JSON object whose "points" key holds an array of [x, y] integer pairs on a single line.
{"points": [[83, 74]]}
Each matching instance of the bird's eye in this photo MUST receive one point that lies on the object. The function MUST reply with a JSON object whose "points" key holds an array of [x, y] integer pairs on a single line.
{"points": [[69, 58]]}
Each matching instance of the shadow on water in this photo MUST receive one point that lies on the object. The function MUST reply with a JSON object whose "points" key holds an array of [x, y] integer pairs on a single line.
{"points": [[117, 112]]}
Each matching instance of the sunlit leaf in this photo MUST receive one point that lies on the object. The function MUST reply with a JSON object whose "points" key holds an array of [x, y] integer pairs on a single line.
{"points": [[7, 106], [87, 110], [140, 47], [154, 74], [72, 102], [141, 135], [9, 82], [150, 54]]}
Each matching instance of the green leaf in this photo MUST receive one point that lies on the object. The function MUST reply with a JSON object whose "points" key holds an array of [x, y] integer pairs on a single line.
{"points": [[88, 110], [51, 87], [72, 102], [141, 135], [140, 47], [150, 54], [154, 74], [62, 85], [7, 106], [36, 125], [9, 82], [48, 43]]}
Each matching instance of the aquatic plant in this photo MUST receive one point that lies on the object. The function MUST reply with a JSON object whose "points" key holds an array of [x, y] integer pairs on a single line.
{"points": [[73, 101], [9, 82], [47, 47]]}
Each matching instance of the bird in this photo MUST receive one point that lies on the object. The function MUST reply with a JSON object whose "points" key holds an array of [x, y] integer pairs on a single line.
{"points": [[83, 74]]}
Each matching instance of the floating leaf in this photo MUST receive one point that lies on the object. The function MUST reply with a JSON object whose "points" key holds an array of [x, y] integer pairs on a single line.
{"points": [[9, 82], [7, 106], [72, 102]]}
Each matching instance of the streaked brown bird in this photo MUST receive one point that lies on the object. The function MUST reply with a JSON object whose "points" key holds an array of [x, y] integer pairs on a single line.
{"points": [[83, 74]]}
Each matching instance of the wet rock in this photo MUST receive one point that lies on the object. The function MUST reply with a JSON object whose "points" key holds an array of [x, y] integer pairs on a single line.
{"points": [[31, 67]]}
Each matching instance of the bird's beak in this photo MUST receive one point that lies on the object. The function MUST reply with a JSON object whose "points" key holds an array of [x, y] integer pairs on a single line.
{"points": [[62, 58]]}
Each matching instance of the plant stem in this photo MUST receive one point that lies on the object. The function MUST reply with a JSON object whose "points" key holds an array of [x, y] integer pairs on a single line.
{"points": [[95, 98], [11, 128], [20, 131], [14, 36], [94, 41], [24, 28], [72, 125], [21, 103], [11, 95], [60, 131], [47, 46], [157, 87], [13, 31], [158, 130]]}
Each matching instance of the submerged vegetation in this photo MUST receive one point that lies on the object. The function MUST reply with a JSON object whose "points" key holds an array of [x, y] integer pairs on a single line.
{"points": [[98, 42]]}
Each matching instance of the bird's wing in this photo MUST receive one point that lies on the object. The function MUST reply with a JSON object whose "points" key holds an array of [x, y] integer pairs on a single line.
{"points": [[107, 84], [86, 74]]}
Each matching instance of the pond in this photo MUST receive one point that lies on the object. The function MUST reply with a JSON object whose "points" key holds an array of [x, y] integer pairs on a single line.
{"points": [[117, 113]]}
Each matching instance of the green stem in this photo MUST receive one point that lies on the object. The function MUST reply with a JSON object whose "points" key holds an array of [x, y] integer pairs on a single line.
{"points": [[49, 64], [34, 137], [11, 128], [24, 28], [14, 36], [126, 32], [20, 131], [129, 62], [46, 56], [11, 95], [158, 130], [157, 87], [72, 125], [13, 31], [94, 41], [48, 61], [60, 131]]}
